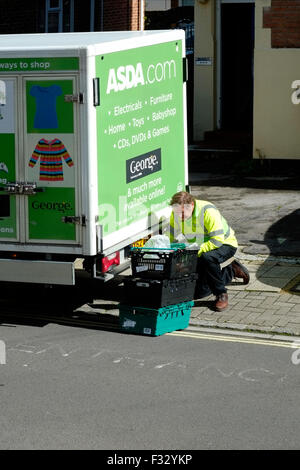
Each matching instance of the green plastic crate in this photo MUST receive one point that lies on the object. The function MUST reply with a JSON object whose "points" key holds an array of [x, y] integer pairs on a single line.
{"points": [[155, 322]]}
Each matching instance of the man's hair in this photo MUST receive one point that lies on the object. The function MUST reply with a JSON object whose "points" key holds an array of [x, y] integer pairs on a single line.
{"points": [[182, 198]]}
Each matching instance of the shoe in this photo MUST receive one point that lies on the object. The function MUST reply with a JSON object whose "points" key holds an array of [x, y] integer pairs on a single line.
{"points": [[221, 302], [240, 271]]}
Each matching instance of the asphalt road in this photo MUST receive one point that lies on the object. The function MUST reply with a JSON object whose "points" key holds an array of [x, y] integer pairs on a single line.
{"points": [[68, 387]]}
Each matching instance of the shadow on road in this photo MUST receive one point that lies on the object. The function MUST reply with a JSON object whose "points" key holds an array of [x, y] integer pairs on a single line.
{"points": [[86, 305], [283, 237], [260, 200], [239, 171], [282, 240]]}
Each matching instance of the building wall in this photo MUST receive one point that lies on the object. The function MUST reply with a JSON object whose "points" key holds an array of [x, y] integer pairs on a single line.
{"points": [[118, 15], [82, 16], [283, 18], [276, 131], [122, 15], [204, 75], [14, 18], [276, 117]]}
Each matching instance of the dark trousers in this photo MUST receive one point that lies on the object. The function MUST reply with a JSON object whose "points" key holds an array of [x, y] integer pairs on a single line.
{"points": [[211, 278]]}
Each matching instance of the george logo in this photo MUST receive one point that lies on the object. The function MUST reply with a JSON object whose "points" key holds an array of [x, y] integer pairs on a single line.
{"points": [[52, 206], [143, 165]]}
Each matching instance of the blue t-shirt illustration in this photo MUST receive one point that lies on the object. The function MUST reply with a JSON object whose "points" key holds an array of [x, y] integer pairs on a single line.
{"points": [[45, 116]]}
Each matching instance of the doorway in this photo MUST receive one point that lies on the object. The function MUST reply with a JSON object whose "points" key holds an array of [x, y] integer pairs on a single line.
{"points": [[237, 49]]}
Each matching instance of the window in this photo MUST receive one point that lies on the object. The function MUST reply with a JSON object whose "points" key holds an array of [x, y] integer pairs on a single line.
{"points": [[59, 16]]}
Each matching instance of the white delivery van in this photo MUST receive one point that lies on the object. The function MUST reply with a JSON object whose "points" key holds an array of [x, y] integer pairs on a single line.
{"points": [[93, 144]]}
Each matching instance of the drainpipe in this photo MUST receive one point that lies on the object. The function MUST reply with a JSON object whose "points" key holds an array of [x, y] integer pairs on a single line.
{"points": [[142, 15], [92, 15], [101, 15]]}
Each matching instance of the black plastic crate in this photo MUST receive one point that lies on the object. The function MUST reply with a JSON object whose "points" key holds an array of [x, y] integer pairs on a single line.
{"points": [[157, 293], [154, 263]]}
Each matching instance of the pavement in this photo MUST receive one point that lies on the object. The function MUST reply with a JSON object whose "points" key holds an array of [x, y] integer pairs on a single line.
{"points": [[269, 304], [263, 207]]}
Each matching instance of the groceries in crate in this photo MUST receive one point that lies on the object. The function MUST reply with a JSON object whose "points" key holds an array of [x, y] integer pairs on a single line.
{"points": [[158, 241], [161, 289], [162, 241], [183, 240], [164, 263]]}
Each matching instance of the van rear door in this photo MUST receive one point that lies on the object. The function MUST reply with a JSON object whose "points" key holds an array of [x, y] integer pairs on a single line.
{"points": [[39, 164]]}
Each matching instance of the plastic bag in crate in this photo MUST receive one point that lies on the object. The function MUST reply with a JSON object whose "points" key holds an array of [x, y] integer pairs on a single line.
{"points": [[163, 263]]}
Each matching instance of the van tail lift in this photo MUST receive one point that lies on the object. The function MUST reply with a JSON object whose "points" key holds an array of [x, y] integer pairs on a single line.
{"points": [[21, 187]]}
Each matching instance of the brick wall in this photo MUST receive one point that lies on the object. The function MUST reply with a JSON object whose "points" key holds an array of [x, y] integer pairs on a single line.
{"points": [[283, 17], [122, 15], [135, 15], [119, 15]]}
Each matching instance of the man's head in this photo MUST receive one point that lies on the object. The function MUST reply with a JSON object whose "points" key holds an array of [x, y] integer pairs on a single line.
{"points": [[183, 204]]}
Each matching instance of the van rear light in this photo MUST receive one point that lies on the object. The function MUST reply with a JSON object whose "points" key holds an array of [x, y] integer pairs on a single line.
{"points": [[110, 260]]}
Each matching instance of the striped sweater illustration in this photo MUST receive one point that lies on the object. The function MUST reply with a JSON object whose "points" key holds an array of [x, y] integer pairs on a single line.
{"points": [[51, 154]]}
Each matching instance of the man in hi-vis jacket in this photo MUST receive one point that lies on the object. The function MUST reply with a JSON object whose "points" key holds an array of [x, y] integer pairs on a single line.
{"points": [[201, 222]]}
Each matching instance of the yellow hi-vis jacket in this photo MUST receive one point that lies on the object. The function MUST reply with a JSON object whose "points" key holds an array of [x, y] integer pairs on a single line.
{"points": [[206, 227]]}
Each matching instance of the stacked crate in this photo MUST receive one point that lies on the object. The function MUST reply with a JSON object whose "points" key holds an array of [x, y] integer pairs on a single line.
{"points": [[160, 291]]}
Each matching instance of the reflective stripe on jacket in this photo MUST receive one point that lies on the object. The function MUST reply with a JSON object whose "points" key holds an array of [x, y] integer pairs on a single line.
{"points": [[207, 227]]}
